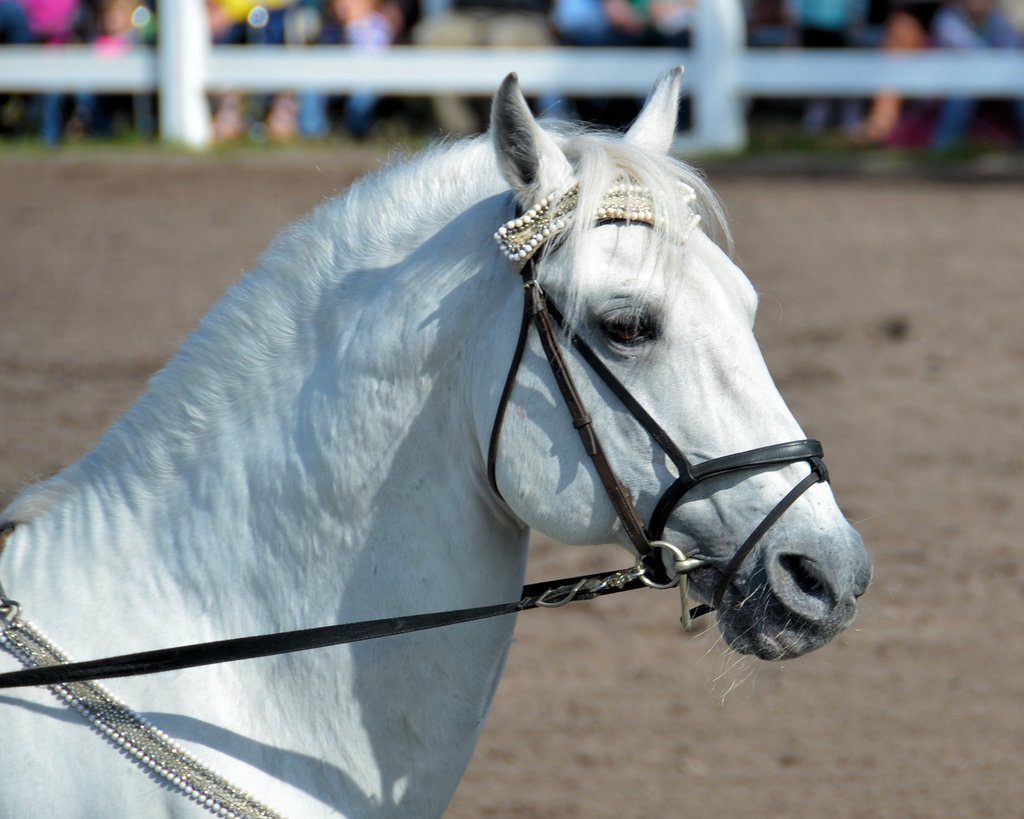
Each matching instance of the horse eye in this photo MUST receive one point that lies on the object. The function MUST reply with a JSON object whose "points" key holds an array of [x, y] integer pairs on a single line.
{"points": [[630, 330]]}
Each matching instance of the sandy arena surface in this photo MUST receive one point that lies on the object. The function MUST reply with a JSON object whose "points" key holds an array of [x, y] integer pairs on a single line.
{"points": [[891, 318]]}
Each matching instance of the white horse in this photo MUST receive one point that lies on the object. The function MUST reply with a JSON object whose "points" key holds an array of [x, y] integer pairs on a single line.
{"points": [[317, 453]]}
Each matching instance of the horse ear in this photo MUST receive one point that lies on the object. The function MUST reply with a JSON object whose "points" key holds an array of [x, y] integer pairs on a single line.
{"points": [[655, 128], [529, 158]]}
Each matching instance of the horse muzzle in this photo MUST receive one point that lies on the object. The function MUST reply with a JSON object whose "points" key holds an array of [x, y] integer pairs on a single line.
{"points": [[794, 599]]}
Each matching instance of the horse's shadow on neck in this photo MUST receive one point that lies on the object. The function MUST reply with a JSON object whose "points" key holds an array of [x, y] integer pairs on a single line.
{"points": [[401, 779], [305, 772], [432, 661]]}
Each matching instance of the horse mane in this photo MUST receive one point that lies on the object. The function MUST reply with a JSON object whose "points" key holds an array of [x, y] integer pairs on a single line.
{"points": [[375, 224], [447, 178]]}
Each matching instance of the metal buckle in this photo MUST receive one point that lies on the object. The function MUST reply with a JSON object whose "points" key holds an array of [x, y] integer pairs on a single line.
{"points": [[9, 611], [682, 566]]}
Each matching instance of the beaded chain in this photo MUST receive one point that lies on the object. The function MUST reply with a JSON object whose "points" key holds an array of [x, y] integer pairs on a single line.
{"points": [[520, 238], [152, 748]]}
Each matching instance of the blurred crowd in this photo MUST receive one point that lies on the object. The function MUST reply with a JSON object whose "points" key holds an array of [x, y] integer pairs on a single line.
{"points": [[898, 25], [112, 26]]}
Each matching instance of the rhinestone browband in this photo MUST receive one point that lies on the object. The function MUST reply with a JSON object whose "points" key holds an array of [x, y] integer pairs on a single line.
{"points": [[520, 238]]}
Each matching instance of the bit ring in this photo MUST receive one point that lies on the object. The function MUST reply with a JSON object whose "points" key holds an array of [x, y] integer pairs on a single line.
{"points": [[681, 560]]}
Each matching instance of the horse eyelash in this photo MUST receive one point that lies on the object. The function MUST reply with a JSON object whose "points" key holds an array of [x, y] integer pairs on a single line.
{"points": [[634, 320]]}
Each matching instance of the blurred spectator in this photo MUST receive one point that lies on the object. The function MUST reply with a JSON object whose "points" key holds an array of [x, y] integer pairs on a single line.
{"points": [[623, 22], [876, 15], [114, 28], [14, 28], [829, 24], [671, 21], [628, 23], [906, 30], [366, 25], [769, 24], [508, 23], [51, 22], [1014, 10], [970, 24], [583, 23], [236, 22]]}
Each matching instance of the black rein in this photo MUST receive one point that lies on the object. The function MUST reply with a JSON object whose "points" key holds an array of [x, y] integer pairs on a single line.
{"points": [[535, 595]]}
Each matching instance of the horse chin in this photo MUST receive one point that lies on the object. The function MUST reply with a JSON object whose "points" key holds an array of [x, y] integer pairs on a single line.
{"points": [[768, 643], [755, 621]]}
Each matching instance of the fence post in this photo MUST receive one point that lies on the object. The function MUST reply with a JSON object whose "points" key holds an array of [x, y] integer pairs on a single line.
{"points": [[184, 50], [719, 43]]}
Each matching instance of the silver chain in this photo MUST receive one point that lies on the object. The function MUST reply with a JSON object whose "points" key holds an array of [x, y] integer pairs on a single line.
{"points": [[122, 727], [587, 587]]}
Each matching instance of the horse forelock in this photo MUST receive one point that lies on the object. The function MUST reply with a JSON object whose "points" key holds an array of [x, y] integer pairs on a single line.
{"points": [[602, 159]]}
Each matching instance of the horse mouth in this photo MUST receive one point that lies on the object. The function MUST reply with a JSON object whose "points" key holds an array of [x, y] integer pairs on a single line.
{"points": [[768, 645], [754, 620]]}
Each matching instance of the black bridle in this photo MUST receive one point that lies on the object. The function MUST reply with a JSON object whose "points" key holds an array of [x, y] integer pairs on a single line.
{"points": [[650, 571], [540, 312]]}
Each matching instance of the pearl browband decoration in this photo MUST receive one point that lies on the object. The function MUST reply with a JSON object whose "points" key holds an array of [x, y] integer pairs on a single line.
{"points": [[522, 237]]}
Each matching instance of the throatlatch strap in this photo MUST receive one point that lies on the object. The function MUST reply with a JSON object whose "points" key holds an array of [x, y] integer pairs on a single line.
{"points": [[506, 395]]}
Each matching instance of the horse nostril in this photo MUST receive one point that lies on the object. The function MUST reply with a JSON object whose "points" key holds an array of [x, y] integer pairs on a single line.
{"points": [[799, 568], [800, 586]]}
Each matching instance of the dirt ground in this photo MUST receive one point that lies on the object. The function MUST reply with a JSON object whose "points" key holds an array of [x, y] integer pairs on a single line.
{"points": [[891, 317]]}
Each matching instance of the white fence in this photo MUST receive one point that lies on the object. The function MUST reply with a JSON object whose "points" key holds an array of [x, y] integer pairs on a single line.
{"points": [[720, 72]]}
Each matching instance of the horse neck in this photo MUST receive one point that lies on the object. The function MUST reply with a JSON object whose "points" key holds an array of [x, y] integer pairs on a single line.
{"points": [[311, 456], [310, 448]]}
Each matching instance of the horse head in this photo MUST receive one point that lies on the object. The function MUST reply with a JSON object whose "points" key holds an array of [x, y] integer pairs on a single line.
{"points": [[621, 237]]}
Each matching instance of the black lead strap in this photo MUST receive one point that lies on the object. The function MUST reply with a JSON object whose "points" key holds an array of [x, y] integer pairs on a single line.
{"points": [[536, 595]]}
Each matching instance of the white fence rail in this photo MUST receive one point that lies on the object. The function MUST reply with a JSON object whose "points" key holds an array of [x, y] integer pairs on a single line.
{"points": [[721, 72]]}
